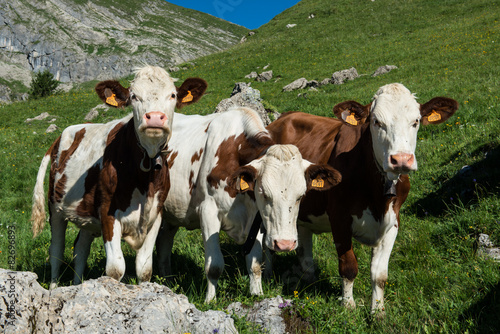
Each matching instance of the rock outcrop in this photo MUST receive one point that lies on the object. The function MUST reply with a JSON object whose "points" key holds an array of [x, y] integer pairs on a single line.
{"points": [[101, 306], [81, 41]]}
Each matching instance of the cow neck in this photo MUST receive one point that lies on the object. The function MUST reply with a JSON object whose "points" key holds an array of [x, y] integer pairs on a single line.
{"points": [[157, 161], [389, 189]]}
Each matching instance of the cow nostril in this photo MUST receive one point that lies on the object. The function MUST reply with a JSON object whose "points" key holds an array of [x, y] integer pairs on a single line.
{"points": [[148, 116], [394, 161]]}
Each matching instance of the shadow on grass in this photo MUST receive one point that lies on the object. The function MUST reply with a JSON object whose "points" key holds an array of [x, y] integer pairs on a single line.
{"points": [[486, 313], [477, 180]]}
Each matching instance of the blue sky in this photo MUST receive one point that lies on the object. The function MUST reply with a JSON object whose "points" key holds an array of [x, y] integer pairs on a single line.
{"points": [[248, 13]]}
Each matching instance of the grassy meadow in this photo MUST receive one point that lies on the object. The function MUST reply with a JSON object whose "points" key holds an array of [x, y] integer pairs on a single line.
{"points": [[438, 282]]}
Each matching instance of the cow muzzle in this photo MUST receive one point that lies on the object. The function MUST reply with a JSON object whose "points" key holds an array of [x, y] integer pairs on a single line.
{"points": [[284, 245], [402, 162], [155, 119]]}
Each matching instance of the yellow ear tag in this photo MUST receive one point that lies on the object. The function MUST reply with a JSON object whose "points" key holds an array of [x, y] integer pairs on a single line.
{"points": [[434, 116], [243, 184], [111, 100], [351, 119], [187, 98], [318, 183]]}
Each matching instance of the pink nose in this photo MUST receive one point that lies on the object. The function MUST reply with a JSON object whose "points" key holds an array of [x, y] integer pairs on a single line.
{"points": [[284, 245], [402, 161], [155, 119]]}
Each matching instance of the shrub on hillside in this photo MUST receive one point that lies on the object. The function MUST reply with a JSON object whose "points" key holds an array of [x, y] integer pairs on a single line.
{"points": [[42, 84]]}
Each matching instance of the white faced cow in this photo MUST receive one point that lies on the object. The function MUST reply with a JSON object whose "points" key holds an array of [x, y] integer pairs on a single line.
{"points": [[223, 168], [373, 147], [112, 178]]}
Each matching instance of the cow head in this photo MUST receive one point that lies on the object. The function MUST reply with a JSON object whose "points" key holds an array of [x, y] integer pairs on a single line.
{"points": [[279, 180], [153, 97], [394, 118]]}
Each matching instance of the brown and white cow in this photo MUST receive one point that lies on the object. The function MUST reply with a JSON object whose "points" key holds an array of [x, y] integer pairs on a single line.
{"points": [[223, 168], [112, 178], [373, 147]]}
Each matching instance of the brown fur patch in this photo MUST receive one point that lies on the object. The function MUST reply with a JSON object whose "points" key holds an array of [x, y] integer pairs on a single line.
{"points": [[90, 201], [60, 165], [233, 153], [196, 156]]}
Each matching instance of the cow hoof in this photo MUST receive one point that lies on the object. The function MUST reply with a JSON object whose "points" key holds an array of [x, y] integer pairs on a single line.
{"points": [[378, 314], [348, 303]]}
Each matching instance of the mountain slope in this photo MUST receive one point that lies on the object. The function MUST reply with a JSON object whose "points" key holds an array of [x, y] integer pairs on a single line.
{"points": [[85, 40]]}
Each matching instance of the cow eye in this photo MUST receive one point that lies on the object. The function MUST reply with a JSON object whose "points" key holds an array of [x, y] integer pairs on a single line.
{"points": [[172, 96], [376, 123], [415, 124]]}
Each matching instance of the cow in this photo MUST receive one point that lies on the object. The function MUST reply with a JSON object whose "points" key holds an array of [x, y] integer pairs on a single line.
{"points": [[112, 179], [373, 147], [223, 169]]}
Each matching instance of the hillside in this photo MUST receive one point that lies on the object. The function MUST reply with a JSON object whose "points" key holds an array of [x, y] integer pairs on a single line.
{"points": [[438, 281], [86, 40]]}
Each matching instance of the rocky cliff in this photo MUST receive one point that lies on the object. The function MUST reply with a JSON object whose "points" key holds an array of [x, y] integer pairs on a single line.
{"points": [[81, 40]]}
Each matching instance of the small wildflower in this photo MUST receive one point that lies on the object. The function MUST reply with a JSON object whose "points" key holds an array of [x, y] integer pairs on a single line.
{"points": [[215, 331]]}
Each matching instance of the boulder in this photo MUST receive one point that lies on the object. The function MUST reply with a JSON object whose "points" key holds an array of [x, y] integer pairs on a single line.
{"points": [[338, 78], [297, 84], [245, 96], [101, 305], [40, 117], [383, 70], [252, 75], [266, 314], [94, 112], [51, 128], [265, 76]]}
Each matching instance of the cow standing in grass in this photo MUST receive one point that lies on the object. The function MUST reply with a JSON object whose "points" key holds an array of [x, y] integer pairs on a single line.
{"points": [[223, 168], [373, 147], [112, 178]]}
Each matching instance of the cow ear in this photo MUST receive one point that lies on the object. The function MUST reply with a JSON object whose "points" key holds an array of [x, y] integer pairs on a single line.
{"points": [[191, 90], [352, 112], [438, 110], [113, 93], [322, 177], [243, 179]]}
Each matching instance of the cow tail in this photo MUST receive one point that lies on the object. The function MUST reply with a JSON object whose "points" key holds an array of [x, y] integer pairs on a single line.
{"points": [[38, 209]]}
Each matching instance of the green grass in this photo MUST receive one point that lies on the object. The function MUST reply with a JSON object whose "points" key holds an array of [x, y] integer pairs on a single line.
{"points": [[437, 282]]}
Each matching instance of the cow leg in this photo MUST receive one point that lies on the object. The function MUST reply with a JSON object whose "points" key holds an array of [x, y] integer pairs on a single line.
{"points": [[348, 265], [214, 261], [305, 254], [268, 262], [81, 253], [254, 266], [115, 262], [164, 244], [58, 227], [144, 256], [380, 268]]}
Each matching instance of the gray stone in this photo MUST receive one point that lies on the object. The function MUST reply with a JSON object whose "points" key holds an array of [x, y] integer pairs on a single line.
{"points": [[51, 128], [40, 117], [103, 305], [266, 314], [174, 69], [291, 25], [245, 96], [326, 81], [484, 240], [265, 76], [384, 69], [94, 112], [338, 78], [252, 75], [297, 84]]}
